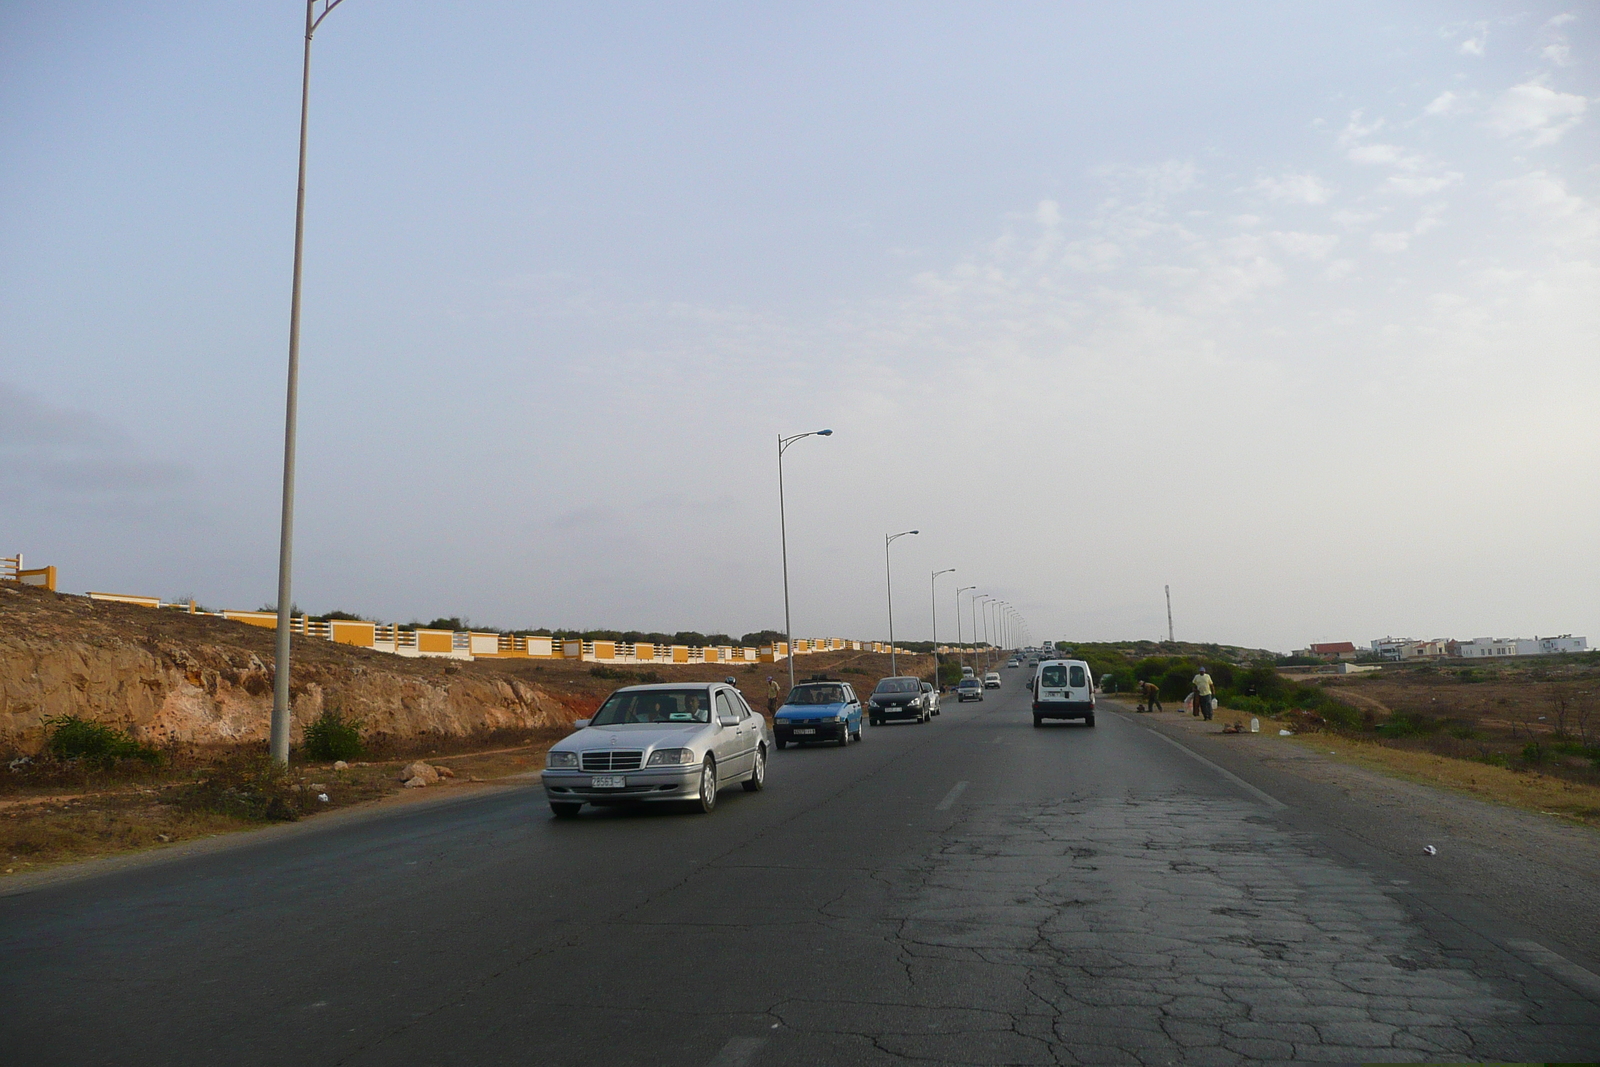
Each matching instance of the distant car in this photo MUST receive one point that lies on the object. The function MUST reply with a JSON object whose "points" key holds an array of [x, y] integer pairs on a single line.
{"points": [[931, 693], [653, 743], [1013, 663], [966, 672], [968, 689], [1063, 689], [819, 711], [898, 698], [991, 680]]}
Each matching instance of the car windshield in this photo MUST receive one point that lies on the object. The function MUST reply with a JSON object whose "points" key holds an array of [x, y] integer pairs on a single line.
{"points": [[654, 705], [968, 683], [899, 685], [817, 694]]}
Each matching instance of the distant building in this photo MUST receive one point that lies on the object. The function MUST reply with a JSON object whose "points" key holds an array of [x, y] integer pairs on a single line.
{"points": [[1497, 647], [1405, 648], [1334, 650]]}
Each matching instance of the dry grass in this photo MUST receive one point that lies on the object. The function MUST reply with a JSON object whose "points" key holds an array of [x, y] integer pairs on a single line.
{"points": [[1528, 790], [1525, 789], [45, 827]]}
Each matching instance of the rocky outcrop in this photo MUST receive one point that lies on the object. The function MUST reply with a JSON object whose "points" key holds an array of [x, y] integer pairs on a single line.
{"points": [[212, 683]]}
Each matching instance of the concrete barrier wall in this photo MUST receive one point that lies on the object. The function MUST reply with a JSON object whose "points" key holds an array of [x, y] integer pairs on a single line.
{"points": [[475, 644]]}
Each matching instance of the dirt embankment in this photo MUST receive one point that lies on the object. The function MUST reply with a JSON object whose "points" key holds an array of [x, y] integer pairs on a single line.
{"points": [[171, 677]]}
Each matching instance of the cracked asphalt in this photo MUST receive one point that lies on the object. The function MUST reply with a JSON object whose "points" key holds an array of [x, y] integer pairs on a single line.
{"points": [[970, 891]]}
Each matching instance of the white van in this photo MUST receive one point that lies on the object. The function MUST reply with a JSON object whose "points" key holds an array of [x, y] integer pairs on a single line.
{"points": [[1063, 689]]}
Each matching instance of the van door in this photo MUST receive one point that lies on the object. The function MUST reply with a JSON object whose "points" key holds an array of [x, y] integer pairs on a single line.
{"points": [[1078, 682], [1053, 683]]}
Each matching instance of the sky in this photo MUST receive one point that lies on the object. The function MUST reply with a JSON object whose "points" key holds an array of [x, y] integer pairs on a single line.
{"points": [[1292, 308]]}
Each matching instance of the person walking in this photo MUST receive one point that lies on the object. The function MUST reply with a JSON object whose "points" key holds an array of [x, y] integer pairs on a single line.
{"points": [[772, 696], [1151, 693], [1203, 693]]}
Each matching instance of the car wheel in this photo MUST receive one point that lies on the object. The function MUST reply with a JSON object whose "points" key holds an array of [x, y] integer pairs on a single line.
{"points": [[1038, 720], [1089, 721], [706, 801], [781, 744], [564, 809], [876, 721], [758, 774], [857, 734]]}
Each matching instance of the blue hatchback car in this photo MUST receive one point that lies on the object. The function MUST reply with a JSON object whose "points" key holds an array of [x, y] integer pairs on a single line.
{"points": [[819, 711]]}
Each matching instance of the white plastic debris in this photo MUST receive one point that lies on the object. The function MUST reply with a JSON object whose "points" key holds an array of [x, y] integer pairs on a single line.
{"points": [[322, 797], [1285, 733], [1255, 726], [1430, 850]]}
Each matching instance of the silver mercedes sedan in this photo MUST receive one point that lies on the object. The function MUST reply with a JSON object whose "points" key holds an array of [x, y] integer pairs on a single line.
{"points": [[674, 742]]}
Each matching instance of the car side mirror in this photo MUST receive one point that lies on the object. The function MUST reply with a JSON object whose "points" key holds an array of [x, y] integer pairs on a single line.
{"points": [[581, 723], [731, 680]]}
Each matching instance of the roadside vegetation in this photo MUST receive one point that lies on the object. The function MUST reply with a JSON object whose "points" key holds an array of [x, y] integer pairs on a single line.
{"points": [[1527, 732]]}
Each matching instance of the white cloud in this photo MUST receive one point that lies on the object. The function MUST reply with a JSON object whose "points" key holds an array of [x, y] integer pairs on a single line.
{"points": [[1559, 54], [1305, 245], [1545, 199], [1446, 103], [1475, 46], [1422, 184], [1294, 189], [1536, 112], [1561, 20], [1377, 154], [1395, 241]]}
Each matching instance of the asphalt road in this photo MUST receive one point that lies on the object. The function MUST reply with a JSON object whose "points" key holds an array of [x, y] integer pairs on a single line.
{"points": [[972, 890]]}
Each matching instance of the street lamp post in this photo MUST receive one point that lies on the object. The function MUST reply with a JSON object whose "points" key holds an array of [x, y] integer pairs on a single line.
{"points": [[783, 537], [933, 593], [279, 737], [959, 654], [975, 602], [888, 576]]}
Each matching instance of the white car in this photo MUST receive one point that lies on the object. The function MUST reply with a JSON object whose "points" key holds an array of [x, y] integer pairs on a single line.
{"points": [[1063, 689], [991, 680], [653, 743]]}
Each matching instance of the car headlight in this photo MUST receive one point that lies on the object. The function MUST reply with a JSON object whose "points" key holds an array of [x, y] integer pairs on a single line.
{"points": [[841, 717], [872, 703], [671, 757], [561, 759]]}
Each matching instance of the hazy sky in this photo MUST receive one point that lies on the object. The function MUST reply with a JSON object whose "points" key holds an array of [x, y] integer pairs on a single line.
{"points": [[1294, 307]]}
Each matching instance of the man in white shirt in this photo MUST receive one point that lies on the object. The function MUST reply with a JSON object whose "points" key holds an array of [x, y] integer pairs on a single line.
{"points": [[1203, 699]]}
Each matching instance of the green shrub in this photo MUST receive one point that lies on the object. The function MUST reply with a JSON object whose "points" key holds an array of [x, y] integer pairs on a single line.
{"points": [[247, 786], [333, 737], [72, 738]]}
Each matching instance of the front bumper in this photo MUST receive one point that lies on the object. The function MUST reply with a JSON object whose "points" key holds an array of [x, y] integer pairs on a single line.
{"points": [[799, 731], [654, 783], [896, 711], [973, 695]]}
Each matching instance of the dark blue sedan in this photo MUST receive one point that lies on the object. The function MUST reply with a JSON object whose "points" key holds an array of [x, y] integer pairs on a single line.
{"points": [[819, 711]]}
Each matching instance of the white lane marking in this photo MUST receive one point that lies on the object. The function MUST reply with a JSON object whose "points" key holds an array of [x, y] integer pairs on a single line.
{"points": [[737, 1052], [950, 797], [1580, 977], [1270, 801]]}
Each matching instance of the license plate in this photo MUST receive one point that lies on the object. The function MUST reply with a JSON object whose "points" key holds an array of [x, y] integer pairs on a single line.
{"points": [[805, 731], [608, 781]]}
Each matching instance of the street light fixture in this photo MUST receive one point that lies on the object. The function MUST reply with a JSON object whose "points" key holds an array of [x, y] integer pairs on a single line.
{"points": [[783, 537], [279, 737], [933, 592], [888, 576]]}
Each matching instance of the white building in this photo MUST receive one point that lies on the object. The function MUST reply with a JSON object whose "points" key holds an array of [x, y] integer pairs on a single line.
{"points": [[1483, 647], [1400, 648]]}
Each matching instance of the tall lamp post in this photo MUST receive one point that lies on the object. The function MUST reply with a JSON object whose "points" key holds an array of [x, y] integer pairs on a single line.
{"points": [[959, 655], [933, 592], [279, 743], [888, 576], [783, 537], [975, 602]]}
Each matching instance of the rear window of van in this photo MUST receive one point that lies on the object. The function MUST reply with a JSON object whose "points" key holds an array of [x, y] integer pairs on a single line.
{"points": [[1080, 677], [1054, 676]]}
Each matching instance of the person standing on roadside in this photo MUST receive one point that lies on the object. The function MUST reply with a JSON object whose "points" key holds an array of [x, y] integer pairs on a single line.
{"points": [[1203, 693], [772, 696], [1151, 692]]}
